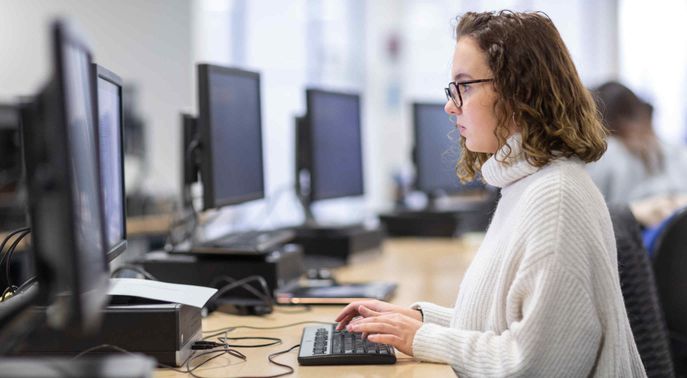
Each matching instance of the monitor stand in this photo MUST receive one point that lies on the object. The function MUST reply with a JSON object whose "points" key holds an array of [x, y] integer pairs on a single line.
{"points": [[442, 218], [329, 246]]}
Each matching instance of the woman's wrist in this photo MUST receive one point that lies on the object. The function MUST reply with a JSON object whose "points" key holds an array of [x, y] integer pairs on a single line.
{"points": [[416, 313]]}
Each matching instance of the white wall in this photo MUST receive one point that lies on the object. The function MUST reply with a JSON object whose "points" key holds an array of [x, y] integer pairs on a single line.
{"points": [[392, 51], [653, 48], [147, 43]]}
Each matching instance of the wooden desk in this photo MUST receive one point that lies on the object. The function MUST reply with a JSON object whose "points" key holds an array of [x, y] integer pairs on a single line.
{"points": [[427, 269]]}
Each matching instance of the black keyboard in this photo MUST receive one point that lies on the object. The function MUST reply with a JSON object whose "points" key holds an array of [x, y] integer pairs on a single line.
{"points": [[322, 345], [247, 242]]}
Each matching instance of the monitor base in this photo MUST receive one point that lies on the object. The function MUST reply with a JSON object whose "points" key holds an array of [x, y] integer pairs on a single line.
{"points": [[334, 246]]}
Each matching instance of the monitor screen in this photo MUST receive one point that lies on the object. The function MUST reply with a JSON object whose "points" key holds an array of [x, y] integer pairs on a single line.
{"points": [[10, 149], [437, 151], [65, 202], [336, 161], [230, 127], [111, 160]]}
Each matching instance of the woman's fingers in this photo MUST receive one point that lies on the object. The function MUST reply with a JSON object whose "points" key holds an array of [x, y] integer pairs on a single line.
{"points": [[367, 312], [349, 309], [386, 339], [345, 321], [375, 327]]}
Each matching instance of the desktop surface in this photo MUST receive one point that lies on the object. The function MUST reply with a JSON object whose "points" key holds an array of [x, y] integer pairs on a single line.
{"points": [[434, 279]]}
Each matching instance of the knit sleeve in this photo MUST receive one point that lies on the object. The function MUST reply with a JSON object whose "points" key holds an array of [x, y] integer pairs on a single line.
{"points": [[434, 314], [553, 330]]}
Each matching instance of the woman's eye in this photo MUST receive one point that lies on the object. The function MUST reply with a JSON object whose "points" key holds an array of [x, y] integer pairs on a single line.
{"points": [[464, 87]]}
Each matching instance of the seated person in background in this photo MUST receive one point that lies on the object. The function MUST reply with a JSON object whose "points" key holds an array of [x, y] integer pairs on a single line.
{"points": [[542, 295], [637, 168]]}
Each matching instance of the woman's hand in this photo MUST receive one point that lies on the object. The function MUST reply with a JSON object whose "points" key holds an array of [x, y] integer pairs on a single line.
{"points": [[390, 328], [372, 308]]}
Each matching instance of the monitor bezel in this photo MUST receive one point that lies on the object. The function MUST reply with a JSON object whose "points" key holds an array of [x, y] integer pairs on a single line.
{"points": [[73, 305], [308, 128], [460, 187], [112, 78], [204, 131]]}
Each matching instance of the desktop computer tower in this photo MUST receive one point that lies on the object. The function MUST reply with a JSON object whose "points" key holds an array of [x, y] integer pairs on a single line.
{"points": [[164, 331], [278, 268]]}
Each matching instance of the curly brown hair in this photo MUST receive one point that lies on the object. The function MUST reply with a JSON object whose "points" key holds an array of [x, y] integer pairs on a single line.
{"points": [[537, 87]]}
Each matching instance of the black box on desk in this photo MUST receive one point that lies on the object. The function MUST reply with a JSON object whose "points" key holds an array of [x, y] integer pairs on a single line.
{"points": [[277, 268], [422, 223], [436, 222], [164, 331], [335, 245]]}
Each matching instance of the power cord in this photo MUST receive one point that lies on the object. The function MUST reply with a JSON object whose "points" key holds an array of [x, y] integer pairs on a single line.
{"points": [[7, 257], [134, 268], [211, 351], [221, 331], [243, 283], [264, 296]]}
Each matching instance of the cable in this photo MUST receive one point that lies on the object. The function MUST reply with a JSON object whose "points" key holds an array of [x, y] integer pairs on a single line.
{"points": [[188, 369], [233, 283], [273, 355], [226, 350], [8, 237], [219, 353], [6, 294], [273, 341], [134, 268], [25, 284], [9, 254], [220, 331]]}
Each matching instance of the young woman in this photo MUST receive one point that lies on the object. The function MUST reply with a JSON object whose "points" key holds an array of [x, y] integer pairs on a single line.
{"points": [[542, 295], [636, 165]]}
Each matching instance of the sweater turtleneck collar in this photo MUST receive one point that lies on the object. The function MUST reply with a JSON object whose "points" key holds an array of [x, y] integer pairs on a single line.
{"points": [[501, 173]]}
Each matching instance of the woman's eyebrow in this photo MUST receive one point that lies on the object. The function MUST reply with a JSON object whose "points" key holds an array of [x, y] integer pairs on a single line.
{"points": [[461, 76]]}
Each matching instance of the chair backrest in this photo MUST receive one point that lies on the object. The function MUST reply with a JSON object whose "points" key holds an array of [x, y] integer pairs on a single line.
{"points": [[670, 269], [639, 292]]}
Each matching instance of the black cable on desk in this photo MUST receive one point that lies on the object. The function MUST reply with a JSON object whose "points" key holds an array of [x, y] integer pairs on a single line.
{"points": [[9, 253]]}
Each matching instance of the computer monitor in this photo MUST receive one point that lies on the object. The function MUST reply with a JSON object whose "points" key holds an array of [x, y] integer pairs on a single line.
{"points": [[437, 151], [10, 149], [110, 141], [12, 196], [230, 129], [65, 203], [329, 145]]}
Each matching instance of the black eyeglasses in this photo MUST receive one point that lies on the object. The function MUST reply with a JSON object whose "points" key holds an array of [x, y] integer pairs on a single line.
{"points": [[457, 88]]}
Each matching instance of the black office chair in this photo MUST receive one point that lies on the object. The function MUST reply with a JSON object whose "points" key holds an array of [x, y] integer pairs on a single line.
{"points": [[639, 292], [670, 269]]}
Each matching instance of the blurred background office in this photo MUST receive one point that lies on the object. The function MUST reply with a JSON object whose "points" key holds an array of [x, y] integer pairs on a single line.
{"points": [[393, 52]]}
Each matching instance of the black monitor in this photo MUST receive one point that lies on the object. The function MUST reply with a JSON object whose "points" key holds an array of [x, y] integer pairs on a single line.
{"points": [[12, 196], [189, 144], [437, 151], [329, 146], [230, 129], [64, 201], [10, 149], [110, 136]]}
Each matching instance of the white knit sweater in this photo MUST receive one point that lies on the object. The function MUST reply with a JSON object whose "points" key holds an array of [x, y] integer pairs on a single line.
{"points": [[542, 295]]}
